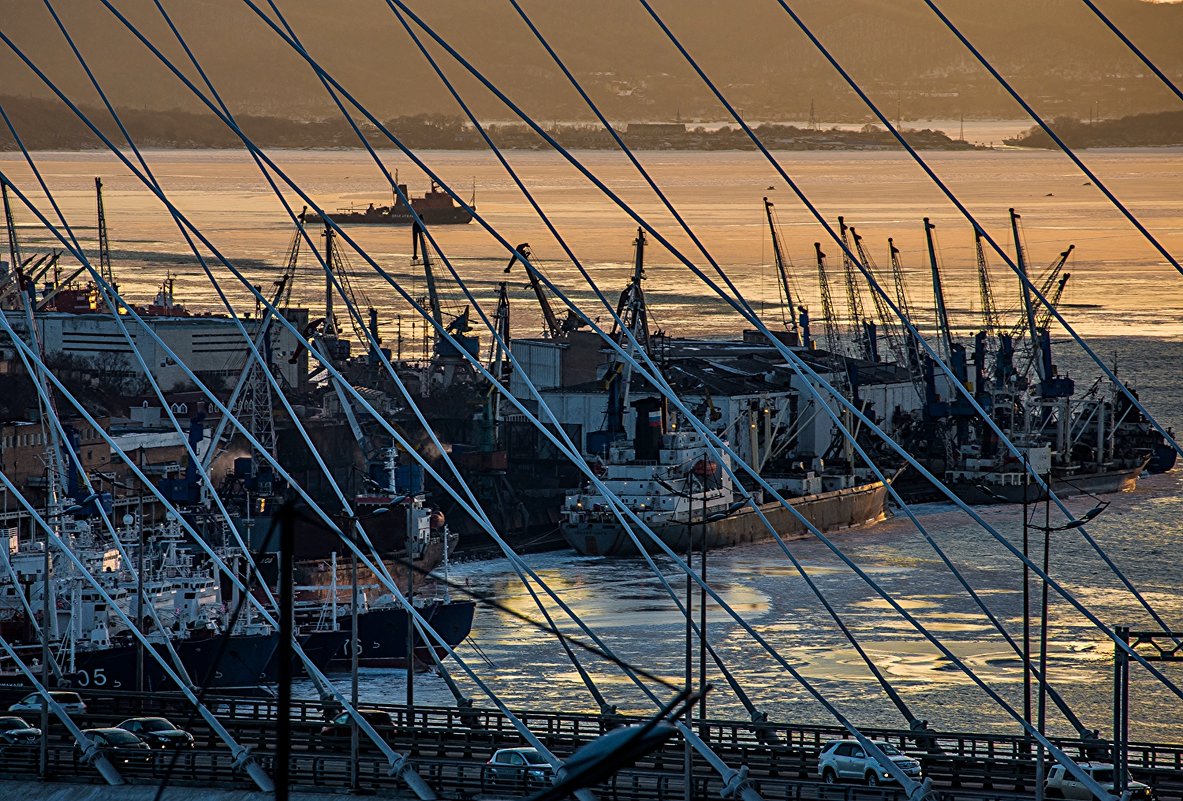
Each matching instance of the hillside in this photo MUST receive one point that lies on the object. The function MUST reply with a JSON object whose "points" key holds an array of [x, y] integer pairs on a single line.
{"points": [[1055, 51]]}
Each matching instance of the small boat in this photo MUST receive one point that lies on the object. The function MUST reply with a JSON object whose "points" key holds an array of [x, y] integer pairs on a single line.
{"points": [[435, 207]]}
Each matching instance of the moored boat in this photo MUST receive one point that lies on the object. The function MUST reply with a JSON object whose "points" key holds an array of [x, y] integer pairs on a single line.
{"points": [[688, 502]]}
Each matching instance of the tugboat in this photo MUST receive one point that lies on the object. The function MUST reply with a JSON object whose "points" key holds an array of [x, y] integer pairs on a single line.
{"points": [[434, 208]]}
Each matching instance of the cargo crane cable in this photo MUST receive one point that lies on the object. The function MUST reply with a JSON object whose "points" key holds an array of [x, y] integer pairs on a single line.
{"points": [[322, 71], [1134, 48], [1069, 152], [961, 207]]}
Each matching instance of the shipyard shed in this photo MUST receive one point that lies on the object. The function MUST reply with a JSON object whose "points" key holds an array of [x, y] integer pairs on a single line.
{"points": [[212, 347]]}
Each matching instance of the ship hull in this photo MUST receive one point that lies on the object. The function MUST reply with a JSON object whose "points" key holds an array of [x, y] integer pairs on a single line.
{"points": [[456, 216], [827, 511], [243, 665], [382, 634], [1120, 480]]}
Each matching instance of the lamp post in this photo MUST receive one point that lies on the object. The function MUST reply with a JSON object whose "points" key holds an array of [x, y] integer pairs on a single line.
{"points": [[354, 645], [1041, 704]]}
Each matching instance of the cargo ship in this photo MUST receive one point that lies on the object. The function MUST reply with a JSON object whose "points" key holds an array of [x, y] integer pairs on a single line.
{"points": [[434, 207], [689, 502]]}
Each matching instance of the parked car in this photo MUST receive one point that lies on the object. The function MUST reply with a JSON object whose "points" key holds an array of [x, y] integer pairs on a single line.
{"points": [[70, 702], [847, 760], [15, 731], [338, 730], [158, 732], [119, 746], [519, 766], [1062, 784]]}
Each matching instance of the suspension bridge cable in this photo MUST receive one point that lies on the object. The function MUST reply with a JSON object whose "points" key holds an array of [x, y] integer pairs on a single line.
{"points": [[1039, 480], [933, 478], [1134, 48], [891, 304]]}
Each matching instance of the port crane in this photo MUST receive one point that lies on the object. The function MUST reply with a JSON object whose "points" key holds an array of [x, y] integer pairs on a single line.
{"points": [[854, 301], [783, 270], [985, 291], [829, 322], [904, 303], [944, 332], [553, 328], [891, 331]]}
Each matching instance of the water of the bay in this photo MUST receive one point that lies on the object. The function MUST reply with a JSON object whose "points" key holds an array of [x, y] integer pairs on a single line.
{"points": [[1123, 296]]}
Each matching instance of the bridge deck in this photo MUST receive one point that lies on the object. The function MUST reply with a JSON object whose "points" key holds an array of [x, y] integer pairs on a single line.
{"points": [[449, 748]]}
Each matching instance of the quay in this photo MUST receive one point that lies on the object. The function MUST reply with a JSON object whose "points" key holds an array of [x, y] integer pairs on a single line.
{"points": [[449, 747]]}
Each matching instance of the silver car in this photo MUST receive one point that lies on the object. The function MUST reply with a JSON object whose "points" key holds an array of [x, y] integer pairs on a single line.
{"points": [[847, 760], [70, 703]]}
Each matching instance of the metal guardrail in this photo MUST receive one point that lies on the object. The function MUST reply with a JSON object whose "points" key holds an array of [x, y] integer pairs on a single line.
{"points": [[449, 747]]}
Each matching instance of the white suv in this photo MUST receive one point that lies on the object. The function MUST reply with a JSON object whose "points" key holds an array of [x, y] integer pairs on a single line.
{"points": [[1062, 784], [846, 759]]}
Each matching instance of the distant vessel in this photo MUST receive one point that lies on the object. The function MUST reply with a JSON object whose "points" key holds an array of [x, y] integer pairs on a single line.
{"points": [[434, 208], [688, 502]]}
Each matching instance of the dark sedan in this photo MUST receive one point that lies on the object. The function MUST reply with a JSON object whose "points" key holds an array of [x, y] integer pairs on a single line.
{"points": [[15, 731], [158, 732], [119, 746]]}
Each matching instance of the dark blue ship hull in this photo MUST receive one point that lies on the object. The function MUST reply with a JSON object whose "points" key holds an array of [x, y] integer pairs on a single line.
{"points": [[241, 665], [382, 634]]}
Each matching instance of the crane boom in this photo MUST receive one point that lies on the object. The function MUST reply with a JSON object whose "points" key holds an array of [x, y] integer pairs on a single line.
{"points": [[1053, 299], [522, 253], [1028, 305], [782, 269], [938, 291], [105, 270], [14, 279], [985, 290], [854, 299], [830, 323], [891, 329]]}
